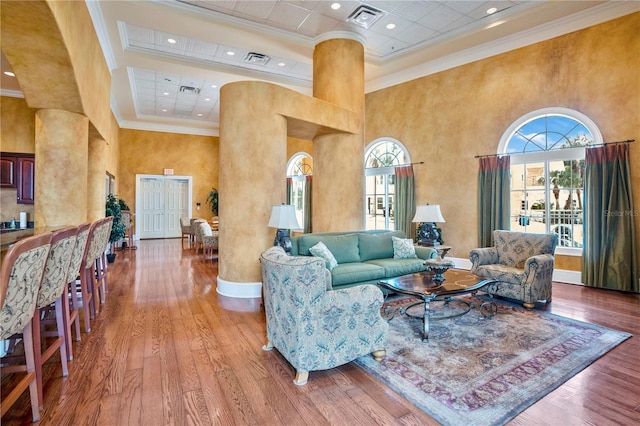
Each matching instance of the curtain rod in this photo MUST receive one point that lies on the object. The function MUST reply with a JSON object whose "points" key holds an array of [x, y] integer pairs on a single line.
{"points": [[398, 165], [588, 146]]}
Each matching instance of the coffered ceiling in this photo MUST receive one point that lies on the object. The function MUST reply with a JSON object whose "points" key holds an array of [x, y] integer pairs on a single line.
{"points": [[168, 59]]}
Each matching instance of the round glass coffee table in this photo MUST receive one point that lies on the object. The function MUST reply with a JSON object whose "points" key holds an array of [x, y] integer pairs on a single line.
{"points": [[422, 285]]}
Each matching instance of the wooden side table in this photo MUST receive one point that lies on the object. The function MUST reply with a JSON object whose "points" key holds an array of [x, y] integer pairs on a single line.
{"points": [[442, 250]]}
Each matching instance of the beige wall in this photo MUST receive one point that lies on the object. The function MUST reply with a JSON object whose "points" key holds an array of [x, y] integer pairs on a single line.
{"points": [[144, 152], [447, 118], [17, 134], [17, 126]]}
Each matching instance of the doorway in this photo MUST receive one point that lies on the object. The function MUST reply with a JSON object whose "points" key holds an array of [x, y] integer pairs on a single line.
{"points": [[160, 202]]}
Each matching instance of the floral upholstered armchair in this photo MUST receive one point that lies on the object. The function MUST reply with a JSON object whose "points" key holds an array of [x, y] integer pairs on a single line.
{"points": [[312, 326], [521, 263]]}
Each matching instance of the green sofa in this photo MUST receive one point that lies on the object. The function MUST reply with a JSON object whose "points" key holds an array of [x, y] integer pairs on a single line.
{"points": [[364, 257]]}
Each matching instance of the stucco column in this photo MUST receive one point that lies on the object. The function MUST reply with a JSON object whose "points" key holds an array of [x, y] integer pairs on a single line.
{"points": [[338, 164], [253, 160], [96, 173], [61, 168]]}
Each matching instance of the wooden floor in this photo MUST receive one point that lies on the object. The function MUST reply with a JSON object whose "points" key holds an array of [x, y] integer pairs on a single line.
{"points": [[167, 349]]}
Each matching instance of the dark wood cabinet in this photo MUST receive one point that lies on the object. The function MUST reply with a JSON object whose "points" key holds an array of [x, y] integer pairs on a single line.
{"points": [[7, 172], [18, 171], [26, 168]]}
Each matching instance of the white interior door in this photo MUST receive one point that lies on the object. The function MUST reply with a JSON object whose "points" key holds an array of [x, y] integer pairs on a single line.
{"points": [[161, 201]]}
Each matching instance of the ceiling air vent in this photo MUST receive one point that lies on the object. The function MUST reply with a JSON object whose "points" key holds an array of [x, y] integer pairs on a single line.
{"points": [[256, 58], [365, 16], [189, 89]]}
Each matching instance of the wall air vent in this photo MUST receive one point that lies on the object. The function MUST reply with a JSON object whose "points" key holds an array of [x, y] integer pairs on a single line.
{"points": [[256, 58], [189, 89], [365, 16]]}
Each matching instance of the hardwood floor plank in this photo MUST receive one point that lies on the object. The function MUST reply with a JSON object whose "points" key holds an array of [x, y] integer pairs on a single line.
{"points": [[130, 408], [167, 349]]}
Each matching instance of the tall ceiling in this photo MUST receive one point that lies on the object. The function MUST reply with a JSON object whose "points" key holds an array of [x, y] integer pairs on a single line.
{"points": [[168, 59]]}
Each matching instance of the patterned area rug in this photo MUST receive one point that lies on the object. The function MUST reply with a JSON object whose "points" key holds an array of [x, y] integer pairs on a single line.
{"points": [[484, 371]]}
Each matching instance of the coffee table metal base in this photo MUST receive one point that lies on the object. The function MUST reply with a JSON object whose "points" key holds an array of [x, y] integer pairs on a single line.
{"points": [[487, 309]]}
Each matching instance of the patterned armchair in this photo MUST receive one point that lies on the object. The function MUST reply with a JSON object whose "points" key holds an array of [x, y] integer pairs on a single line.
{"points": [[312, 326], [521, 263]]}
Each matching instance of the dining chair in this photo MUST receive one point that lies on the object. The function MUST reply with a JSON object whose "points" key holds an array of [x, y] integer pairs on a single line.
{"points": [[209, 240], [185, 228], [73, 277], [192, 222], [128, 228], [197, 233], [53, 298], [20, 277]]}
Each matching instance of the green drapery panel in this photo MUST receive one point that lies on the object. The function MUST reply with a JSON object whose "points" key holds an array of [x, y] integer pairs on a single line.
{"points": [[609, 256], [405, 201], [308, 207], [493, 197], [289, 190]]}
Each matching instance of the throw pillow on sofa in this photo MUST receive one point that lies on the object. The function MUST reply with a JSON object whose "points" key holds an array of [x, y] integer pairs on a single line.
{"points": [[321, 251], [403, 248]]}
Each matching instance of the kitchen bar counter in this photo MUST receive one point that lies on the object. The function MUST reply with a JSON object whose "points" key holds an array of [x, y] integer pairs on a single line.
{"points": [[8, 237]]}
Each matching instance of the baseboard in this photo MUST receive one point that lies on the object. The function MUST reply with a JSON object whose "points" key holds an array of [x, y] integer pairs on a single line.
{"points": [[559, 275], [239, 290], [566, 276], [460, 262]]}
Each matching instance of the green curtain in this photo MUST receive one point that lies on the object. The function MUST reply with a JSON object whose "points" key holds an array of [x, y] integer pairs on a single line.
{"points": [[609, 256], [405, 201], [289, 190], [493, 197], [308, 207]]}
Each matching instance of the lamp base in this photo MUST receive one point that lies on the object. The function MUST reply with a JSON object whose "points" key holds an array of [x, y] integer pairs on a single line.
{"points": [[428, 235], [282, 239]]}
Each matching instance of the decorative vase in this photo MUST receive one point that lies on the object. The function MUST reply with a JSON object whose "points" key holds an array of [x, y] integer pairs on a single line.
{"points": [[111, 257], [438, 267]]}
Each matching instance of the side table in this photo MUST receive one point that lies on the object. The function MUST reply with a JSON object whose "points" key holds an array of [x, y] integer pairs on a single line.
{"points": [[442, 250]]}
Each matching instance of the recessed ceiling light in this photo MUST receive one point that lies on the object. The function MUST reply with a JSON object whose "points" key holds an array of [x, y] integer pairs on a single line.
{"points": [[199, 115], [165, 93], [164, 110], [214, 86], [281, 64], [391, 26], [335, 6], [492, 10], [171, 40], [207, 99], [9, 73], [231, 53]]}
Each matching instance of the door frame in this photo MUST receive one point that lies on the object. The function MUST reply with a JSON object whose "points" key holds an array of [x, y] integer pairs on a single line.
{"points": [[139, 178]]}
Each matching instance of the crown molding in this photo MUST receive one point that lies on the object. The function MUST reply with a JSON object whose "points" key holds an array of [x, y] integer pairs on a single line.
{"points": [[95, 12], [169, 128], [12, 93]]}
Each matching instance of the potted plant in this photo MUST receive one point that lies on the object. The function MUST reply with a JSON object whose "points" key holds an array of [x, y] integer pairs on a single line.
{"points": [[117, 229], [212, 200]]}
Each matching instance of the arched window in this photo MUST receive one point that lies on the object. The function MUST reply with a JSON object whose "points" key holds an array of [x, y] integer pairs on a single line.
{"points": [[299, 167], [381, 156], [547, 149]]}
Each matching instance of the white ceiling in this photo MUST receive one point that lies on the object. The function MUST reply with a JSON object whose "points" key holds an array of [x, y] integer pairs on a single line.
{"points": [[173, 85]]}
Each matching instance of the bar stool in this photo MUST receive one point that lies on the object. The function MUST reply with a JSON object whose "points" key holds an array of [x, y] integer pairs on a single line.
{"points": [[72, 313], [52, 297], [20, 277]]}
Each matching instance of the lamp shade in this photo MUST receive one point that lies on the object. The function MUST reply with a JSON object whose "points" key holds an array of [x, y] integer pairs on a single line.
{"points": [[283, 217], [429, 213]]}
